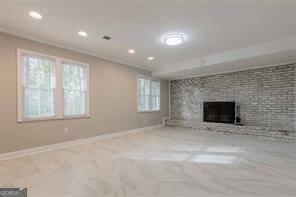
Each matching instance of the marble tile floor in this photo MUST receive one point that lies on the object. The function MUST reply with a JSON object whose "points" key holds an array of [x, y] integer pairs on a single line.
{"points": [[165, 162]]}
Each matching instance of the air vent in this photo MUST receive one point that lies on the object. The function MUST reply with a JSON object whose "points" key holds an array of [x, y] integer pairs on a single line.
{"points": [[107, 37]]}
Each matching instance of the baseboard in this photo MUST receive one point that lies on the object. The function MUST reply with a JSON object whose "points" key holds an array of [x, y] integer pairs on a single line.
{"points": [[31, 151]]}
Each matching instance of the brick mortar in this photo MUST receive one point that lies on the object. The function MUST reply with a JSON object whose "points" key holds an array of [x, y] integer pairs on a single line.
{"points": [[266, 96]]}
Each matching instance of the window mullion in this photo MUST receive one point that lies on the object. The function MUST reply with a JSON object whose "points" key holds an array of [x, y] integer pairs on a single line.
{"points": [[149, 92], [59, 101]]}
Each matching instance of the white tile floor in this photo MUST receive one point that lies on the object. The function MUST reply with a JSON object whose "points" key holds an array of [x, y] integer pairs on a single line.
{"points": [[166, 162]]}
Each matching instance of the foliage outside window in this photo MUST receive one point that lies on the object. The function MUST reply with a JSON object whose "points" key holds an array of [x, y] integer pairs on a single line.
{"points": [[148, 94], [51, 87]]}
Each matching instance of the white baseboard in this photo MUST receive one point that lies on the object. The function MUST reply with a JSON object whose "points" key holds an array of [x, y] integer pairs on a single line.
{"points": [[31, 151]]}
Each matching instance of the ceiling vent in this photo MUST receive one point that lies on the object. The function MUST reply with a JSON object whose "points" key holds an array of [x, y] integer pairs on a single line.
{"points": [[107, 37]]}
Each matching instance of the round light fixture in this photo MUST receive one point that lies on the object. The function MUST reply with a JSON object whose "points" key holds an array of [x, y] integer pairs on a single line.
{"points": [[132, 51], [82, 33], [150, 58], [35, 15], [173, 39]]}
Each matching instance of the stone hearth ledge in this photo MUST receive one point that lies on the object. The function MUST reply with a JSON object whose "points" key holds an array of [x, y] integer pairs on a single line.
{"points": [[257, 131]]}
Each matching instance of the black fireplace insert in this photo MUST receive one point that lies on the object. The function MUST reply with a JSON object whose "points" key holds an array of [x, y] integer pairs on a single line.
{"points": [[222, 112]]}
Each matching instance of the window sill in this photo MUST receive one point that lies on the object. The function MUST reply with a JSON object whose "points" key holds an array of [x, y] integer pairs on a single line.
{"points": [[52, 118]]}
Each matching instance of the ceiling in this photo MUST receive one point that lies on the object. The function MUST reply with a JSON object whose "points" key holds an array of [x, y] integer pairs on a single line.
{"points": [[217, 33]]}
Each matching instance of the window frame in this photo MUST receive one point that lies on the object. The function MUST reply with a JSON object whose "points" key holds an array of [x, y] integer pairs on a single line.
{"points": [[155, 80], [150, 79], [138, 93], [58, 93], [86, 66]]}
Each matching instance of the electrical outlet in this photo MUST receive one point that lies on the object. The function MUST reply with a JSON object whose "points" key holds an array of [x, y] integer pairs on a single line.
{"points": [[66, 130]]}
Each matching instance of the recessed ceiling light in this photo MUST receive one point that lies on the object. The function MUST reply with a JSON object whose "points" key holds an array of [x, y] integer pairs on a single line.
{"points": [[35, 15], [82, 33], [132, 51], [173, 39], [150, 58]]}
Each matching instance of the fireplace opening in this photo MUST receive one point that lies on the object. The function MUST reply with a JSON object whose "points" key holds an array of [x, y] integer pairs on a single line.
{"points": [[221, 112]]}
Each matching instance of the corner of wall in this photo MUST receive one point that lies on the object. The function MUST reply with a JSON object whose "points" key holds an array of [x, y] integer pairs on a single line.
{"points": [[1, 91]]}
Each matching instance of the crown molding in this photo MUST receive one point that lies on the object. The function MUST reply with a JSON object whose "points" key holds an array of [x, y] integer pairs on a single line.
{"points": [[234, 70], [44, 41], [230, 56]]}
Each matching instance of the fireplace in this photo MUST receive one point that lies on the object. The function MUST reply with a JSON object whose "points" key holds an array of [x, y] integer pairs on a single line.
{"points": [[222, 112]]}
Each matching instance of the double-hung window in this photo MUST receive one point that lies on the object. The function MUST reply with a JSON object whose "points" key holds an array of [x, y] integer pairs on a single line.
{"points": [[143, 97], [51, 87], [155, 95], [74, 89], [38, 86], [148, 94]]}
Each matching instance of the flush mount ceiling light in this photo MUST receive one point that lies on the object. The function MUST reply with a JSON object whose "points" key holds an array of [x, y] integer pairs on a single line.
{"points": [[82, 33], [173, 39], [150, 58], [132, 51], [35, 15]]}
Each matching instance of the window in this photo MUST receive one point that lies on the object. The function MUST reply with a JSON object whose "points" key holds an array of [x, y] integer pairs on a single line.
{"points": [[148, 94], [51, 87], [38, 86], [143, 94], [155, 95], [74, 89]]}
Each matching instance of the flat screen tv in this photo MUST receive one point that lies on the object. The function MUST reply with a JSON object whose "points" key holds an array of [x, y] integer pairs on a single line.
{"points": [[221, 112]]}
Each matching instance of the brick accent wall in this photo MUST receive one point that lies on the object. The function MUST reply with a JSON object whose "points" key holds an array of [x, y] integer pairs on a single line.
{"points": [[267, 96]]}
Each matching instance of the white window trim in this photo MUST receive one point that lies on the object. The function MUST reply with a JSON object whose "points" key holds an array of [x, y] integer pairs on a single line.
{"points": [[150, 79], [150, 91], [87, 111], [58, 97]]}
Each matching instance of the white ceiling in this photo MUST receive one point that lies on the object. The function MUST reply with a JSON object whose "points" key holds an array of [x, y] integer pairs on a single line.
{"points": [[265, 29]]}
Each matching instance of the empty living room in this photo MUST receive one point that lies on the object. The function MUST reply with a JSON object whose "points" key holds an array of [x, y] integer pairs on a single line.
{"points": [[162, 98]]}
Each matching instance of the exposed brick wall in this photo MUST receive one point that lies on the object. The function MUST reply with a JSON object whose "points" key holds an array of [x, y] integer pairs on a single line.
{"points": [[267, 96]]}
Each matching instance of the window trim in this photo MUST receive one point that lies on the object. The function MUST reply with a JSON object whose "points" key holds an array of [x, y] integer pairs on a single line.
{"points": [[87, 88], [158, 80], [138, 93], [150, 79], [58, 96]]}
